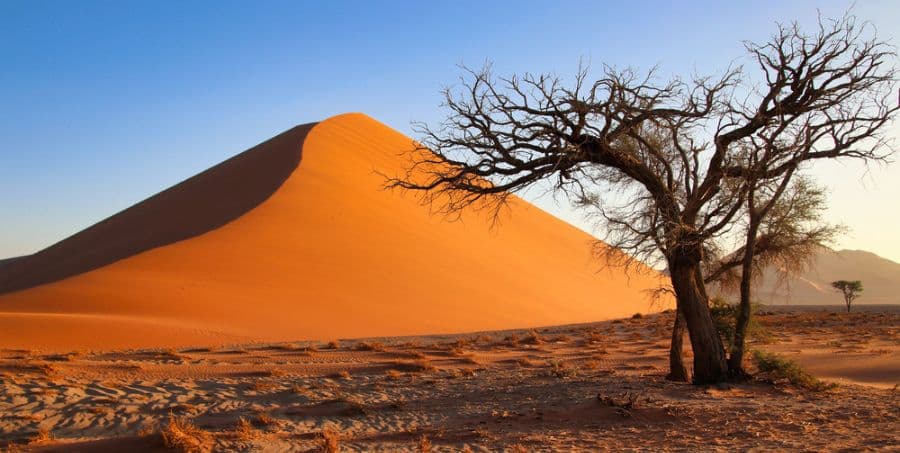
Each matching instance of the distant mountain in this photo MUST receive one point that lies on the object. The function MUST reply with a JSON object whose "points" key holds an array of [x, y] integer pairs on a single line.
{"points": [[880, 278]]}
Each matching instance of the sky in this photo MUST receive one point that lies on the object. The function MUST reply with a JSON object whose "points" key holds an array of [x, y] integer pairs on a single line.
{"points": [[103, 104]]}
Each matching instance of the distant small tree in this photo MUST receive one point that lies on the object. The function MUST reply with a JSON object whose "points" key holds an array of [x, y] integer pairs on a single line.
{"points": [[851, 289]]}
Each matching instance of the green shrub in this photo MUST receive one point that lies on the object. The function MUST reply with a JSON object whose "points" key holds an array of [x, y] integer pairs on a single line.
{"points": [[781, 368], [724, 316]]}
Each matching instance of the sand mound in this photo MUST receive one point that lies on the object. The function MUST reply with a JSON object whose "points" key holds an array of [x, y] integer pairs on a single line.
{"points": [[262, 248]]}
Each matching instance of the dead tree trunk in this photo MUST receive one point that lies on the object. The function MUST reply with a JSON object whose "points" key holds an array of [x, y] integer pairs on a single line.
{"points": [[710, 365], [736, 359], [677, 370]]}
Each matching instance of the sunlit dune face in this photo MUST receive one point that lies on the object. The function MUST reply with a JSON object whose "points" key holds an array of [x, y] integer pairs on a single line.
{"points": [[332, 254]]}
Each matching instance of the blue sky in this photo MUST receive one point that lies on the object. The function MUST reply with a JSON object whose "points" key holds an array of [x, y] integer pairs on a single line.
{"points": [[103, 104]]}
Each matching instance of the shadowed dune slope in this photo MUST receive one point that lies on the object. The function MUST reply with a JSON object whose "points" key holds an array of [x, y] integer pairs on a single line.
{"points": [[195, 206], [8, 261], [329, 254]]}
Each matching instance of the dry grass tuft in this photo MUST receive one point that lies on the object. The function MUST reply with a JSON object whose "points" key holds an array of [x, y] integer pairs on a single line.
{"points": [[424, 445], [170, 355], [100, 410], [148, 429], [47, 369], [462, 372], [345, 375], [484, 433], [593, 336], [262, 386], [69, 357], [461, 343], [410, 355], [285, 347], [181, 434], [562, 369], [592, 364], [196, 350], [533, 338], [244, 430], [418, 366], [42, 436], [329, 440], [370, 346], [628, 400], [526, 362], [518, 448], [181, 408], [301, 390], [264, 419], [131, 367]]}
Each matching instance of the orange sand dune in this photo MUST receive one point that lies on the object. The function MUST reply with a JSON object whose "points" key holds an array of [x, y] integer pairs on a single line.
{"points": [[325, 253]]}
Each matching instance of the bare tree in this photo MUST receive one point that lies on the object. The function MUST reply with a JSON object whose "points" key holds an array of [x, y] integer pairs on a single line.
{"points": [[850, 289], [655, 159]]}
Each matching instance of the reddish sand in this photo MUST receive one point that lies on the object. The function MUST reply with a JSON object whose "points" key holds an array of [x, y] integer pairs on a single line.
{"points": [[329, 254], [587, 387]]}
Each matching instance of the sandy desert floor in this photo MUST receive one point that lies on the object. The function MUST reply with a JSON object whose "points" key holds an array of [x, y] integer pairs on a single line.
{"points": [[593, 386]]}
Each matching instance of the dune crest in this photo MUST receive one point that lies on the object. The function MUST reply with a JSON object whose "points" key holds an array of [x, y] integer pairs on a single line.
{"points": [[327, 253]]}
